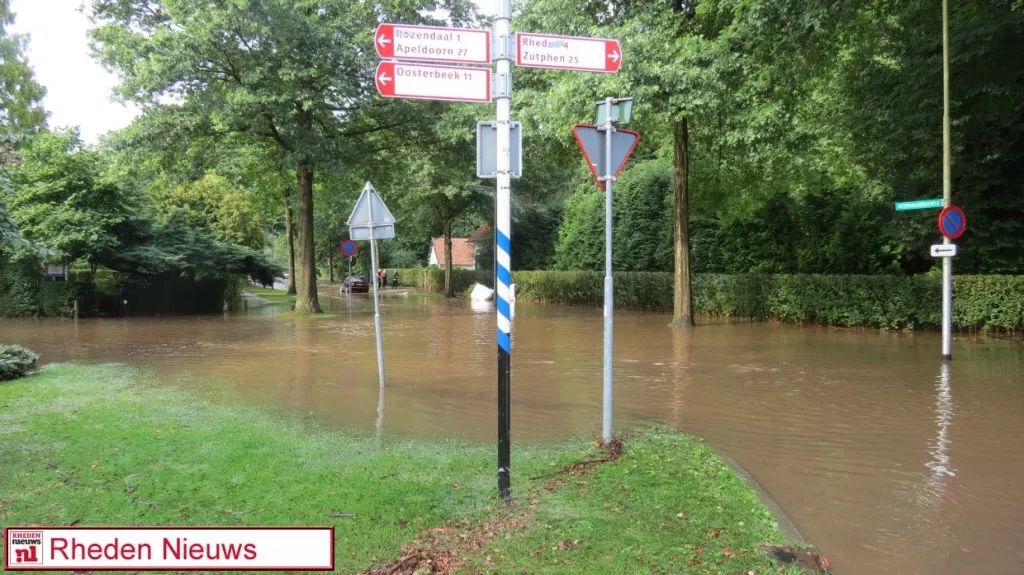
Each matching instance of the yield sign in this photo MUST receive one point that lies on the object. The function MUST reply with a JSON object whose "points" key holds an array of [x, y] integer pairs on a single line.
{"points": [[592, 142], [371, 219]]}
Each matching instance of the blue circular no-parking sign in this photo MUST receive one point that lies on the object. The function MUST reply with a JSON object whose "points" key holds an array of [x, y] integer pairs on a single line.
{"points": [[952, 222], [349, 248]]}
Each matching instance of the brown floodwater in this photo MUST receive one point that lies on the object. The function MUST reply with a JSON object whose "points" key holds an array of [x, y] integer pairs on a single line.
{"points": [[885, 459]]}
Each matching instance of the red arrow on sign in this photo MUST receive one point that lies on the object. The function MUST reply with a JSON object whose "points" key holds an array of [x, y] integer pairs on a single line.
{"points": [[429, 82], [568, 52], [384, 40]]}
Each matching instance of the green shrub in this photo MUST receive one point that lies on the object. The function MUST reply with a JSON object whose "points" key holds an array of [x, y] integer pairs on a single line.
{"points": [[16, 361], [987, 303]]}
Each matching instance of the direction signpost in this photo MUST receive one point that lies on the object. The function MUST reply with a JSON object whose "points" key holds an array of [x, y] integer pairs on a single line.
{"points": [[433, 44], [568, 53], [429, 82], [398, 79]]}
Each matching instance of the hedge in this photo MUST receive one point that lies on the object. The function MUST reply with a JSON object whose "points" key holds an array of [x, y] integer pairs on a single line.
{"points": [[432, 278], [987, 303]]}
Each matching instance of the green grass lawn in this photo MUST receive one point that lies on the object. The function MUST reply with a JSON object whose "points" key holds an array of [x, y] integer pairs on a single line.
{"points": [[95, 445], [275, 296]]}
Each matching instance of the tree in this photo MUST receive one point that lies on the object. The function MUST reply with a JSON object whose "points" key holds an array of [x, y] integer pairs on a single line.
{"points": [[214, 204], [61, 200], [292, 73], [441, 191], [21, 110]]}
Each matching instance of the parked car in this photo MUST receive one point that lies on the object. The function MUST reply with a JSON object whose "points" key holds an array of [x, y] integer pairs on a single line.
{"points": [[355, 284]]}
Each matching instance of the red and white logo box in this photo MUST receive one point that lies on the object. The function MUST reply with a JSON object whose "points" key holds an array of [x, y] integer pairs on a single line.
{"points": [[169, 548]]}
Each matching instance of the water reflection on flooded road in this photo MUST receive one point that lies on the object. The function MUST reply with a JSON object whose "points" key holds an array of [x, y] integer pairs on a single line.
{"points": [[885, 459]]}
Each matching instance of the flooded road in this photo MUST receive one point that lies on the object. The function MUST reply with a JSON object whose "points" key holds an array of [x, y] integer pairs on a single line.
{"points": [[887, 461]]}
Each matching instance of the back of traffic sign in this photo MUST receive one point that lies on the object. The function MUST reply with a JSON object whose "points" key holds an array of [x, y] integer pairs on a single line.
{"points": [[371, 219], [487, 149], [591, 141]]}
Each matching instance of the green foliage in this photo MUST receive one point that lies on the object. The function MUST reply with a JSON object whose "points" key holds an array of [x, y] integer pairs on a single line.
{"points": [[173, 247], [810, 233], [986, 303], [21, 278], [21, 110], [581, 237], [214, 204], [60, 199], [16, 361]]}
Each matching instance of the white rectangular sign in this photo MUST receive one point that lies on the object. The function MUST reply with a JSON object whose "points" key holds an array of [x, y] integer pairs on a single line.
{"points": [[433, 44], [426, 82], [169, 548], [568, 52], [943, 250]]}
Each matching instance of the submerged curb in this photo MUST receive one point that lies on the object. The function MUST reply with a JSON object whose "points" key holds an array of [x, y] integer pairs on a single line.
{"points": [[788, 529]]}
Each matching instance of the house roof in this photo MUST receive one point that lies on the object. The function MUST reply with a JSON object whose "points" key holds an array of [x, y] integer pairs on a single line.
{"points": [[462, 252], [479, 233]]}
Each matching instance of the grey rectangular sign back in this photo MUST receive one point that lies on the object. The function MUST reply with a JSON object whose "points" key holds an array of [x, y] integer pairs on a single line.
{"points": [[487, 149]]}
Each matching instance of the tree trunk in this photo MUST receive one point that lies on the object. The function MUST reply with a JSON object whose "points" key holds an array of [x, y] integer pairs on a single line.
{"points": [[290, 233], [330, 270], [306, 300], [682, 301], [449, 289]]}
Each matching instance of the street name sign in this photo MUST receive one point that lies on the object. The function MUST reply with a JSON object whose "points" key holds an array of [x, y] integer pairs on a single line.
{"points": [[919, 205], [423, 82], [943, 250], [487, 149], [371, 219], [433, 44], [568, 53], [952, 222], [591, 141]]}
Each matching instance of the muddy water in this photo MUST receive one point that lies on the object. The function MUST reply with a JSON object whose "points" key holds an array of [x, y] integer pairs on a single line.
{"points": [[888, 462]]}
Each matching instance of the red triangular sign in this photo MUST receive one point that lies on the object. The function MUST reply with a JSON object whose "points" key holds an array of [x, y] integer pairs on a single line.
{"points": [[592, 142]]}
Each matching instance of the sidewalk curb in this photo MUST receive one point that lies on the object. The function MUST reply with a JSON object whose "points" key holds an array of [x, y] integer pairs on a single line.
{"points": [[788, 529]]}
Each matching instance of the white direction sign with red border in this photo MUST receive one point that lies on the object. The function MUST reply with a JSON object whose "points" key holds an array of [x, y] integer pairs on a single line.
{"points": [[433, 44], [568, 53], [425, 82]]}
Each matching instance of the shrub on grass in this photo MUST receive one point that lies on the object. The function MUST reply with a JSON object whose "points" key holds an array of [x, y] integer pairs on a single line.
{"points": [[16, 361]]}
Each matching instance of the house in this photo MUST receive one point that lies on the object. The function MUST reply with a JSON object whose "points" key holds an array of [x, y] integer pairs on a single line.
{"points": [[462, 254], [464, 250], [480, 238]]}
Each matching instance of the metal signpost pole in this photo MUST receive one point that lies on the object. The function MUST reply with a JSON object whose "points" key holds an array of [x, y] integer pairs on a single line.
{"points": [[609, 282], [376, 303], [502, 240], [947, 263]]}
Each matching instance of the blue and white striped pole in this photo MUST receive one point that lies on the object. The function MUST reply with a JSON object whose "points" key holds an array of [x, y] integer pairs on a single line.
{"points": [[503, 242]]}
